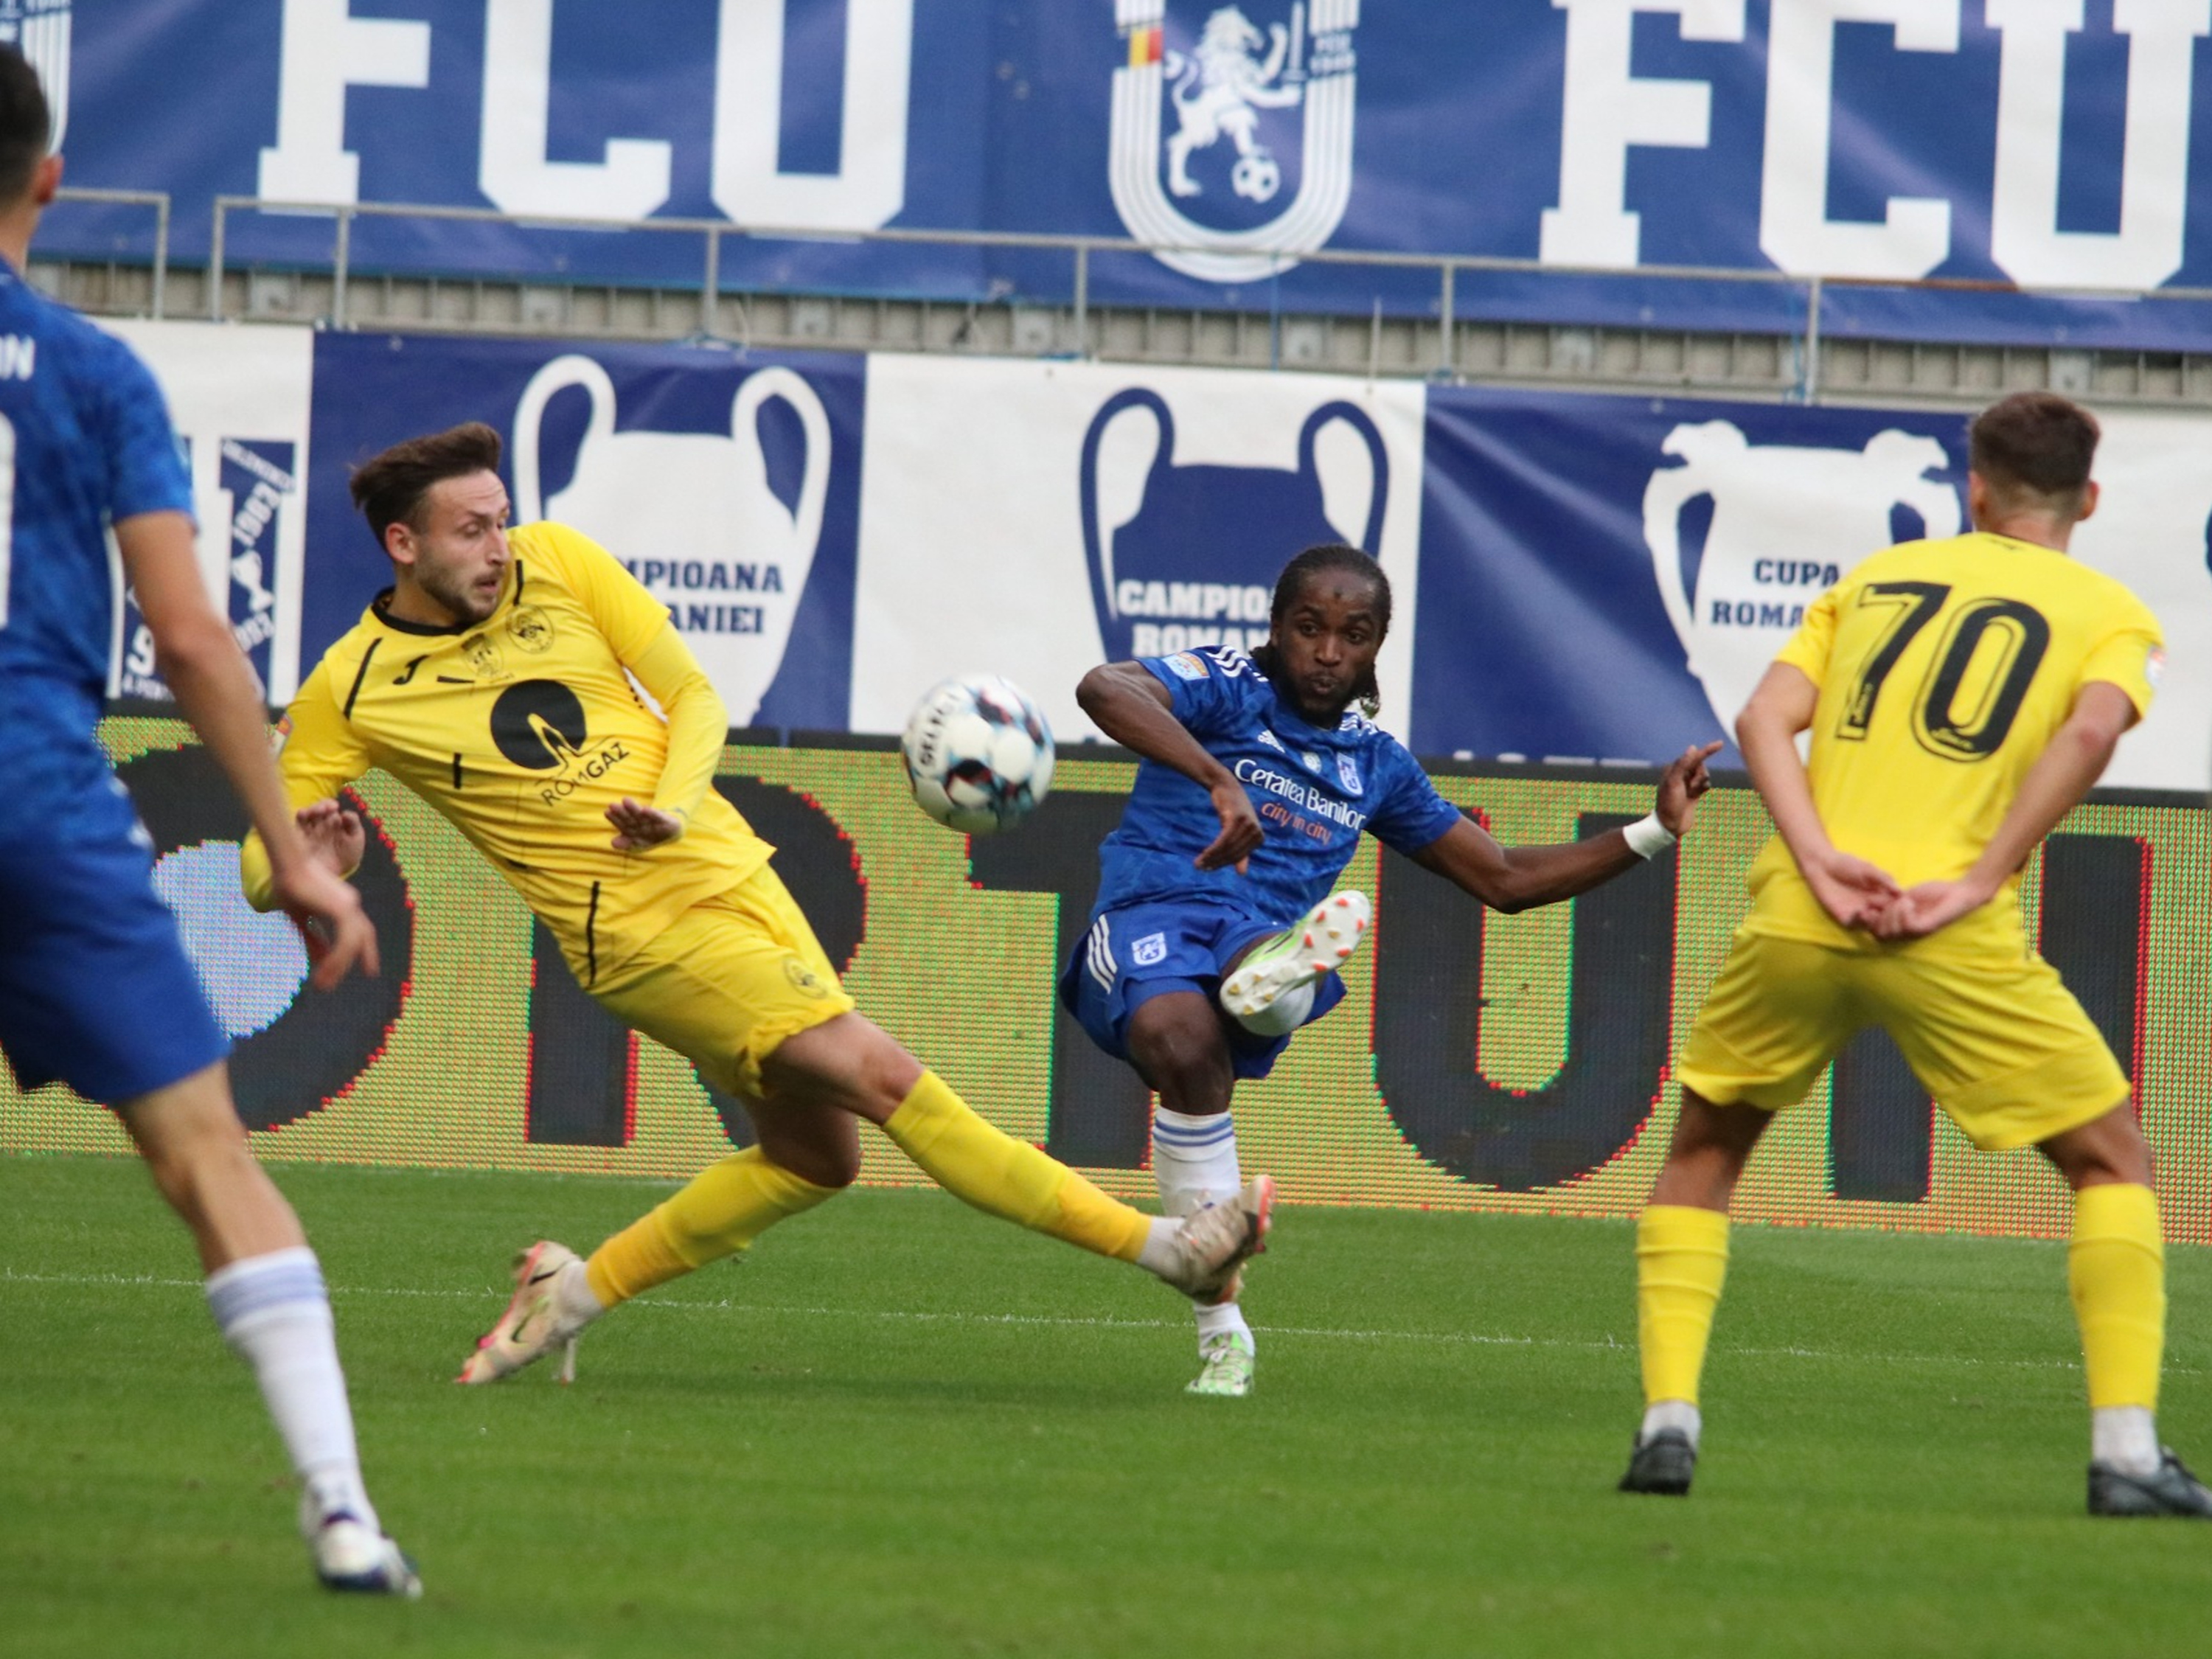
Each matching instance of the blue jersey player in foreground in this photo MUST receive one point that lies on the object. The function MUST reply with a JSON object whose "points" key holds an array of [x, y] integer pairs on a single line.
{"points": [[95, 989], [1216, 934]]}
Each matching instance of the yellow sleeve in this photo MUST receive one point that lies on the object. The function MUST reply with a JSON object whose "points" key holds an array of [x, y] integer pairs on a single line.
{"points": [[698, 725], [319, 754], [2131, 656], [1809, 648], [629, 617]]}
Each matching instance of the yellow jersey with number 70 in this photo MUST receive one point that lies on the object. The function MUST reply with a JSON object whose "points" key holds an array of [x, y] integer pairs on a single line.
{"points": [[1944, 669]]}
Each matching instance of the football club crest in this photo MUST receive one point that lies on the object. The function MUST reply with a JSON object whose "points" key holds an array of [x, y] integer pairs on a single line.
{"points": [[1184, 557], [1347, 774], [1786, 524], [39, 29], [1241, 96]]}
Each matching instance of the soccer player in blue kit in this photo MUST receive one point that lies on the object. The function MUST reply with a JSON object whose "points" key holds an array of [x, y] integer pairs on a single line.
{"points": [[95, 989], [1213, 937]]}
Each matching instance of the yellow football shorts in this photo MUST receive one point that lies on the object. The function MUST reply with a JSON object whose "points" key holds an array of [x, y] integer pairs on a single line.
{"points": [[1997, 1039], [727, 981]]}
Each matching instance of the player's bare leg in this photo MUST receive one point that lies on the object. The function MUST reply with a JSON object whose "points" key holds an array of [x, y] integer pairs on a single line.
{"points": [[266, 1292], [1178, 1046], [1681, 1261], [2116, 1273]]}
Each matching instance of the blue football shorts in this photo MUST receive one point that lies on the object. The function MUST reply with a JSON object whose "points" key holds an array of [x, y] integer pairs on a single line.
{"points": [[95, 989], [1131, 955]]}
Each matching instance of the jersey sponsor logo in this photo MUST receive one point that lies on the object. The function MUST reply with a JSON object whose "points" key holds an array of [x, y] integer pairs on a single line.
{"points": [[1253, 776], [1184, 558], [1149, 950], [2154, 667], [531, 629], [748, 549], [1185, 666], [1786, 522], [539, 725], [1243, 96], [1312, 761]]}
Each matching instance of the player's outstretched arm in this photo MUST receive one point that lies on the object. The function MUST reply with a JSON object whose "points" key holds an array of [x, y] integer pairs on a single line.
{"points": [[2063, 774], [1133, 709], [1850, 889], [216, 690], [1512, 878], [698, 726]]}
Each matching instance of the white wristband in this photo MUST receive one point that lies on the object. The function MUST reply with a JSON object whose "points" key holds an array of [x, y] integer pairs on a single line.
{"points": [[1647, 837]]}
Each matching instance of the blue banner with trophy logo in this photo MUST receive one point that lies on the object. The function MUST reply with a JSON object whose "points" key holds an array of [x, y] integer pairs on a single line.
{"points": [[2055, 146], [728, 484]]}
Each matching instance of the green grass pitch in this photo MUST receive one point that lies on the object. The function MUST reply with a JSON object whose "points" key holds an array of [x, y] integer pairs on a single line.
{"points": [[903, 1429]]}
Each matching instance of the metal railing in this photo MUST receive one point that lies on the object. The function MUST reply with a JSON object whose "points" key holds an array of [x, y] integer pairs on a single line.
{"points": [[156, 199], [1445, 270]]}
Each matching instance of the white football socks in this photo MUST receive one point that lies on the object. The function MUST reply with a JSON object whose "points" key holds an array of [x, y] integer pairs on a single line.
{"points": [[1671, 1414], [2126, 1438], [274, 1311], [1282, 1016], [1195, 1165], [1193, 1160]]}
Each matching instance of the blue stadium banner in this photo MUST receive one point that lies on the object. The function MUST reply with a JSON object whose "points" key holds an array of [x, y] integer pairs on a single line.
{"points": [[729, 485], [1578, 579], [1606, 579], [2047, 145]]}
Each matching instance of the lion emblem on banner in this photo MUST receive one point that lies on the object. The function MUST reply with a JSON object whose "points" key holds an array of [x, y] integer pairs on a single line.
{"points": [[1171, 105], [1219, 88]]}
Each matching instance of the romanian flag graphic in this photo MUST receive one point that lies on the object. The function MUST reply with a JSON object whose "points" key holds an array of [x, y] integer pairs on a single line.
{"points": [[1144, 46]]}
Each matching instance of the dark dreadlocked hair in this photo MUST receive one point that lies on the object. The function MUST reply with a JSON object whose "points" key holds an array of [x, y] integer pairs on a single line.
{"points": [[1315, 561]]}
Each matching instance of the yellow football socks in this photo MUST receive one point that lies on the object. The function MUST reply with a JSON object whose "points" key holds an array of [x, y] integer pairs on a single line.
{"points": [[1682, 1260], [726, 1206], [2116, 1273], [982, 1166]]}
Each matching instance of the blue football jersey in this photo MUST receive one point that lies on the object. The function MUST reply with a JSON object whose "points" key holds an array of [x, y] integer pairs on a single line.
{"points": [[85, 440], [1314, 791]]}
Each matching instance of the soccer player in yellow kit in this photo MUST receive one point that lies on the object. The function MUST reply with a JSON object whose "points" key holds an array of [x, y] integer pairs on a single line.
{"points": [[1962, 695], [490, 680]]}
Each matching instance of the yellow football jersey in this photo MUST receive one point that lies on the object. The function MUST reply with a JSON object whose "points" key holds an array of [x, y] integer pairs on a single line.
{"points": [[1944, 669], [522, 730]]}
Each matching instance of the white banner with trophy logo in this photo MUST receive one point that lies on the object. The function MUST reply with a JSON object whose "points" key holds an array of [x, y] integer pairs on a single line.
{"points": [[1037, 518]]}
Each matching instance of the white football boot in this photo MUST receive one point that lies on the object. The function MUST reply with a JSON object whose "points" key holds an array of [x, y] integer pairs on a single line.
{"points": [[534, 1322], [1212, 1244], [352, 1555], [1320, 944]]}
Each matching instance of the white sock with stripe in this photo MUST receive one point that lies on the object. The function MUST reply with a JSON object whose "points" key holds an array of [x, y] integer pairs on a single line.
{"points": [[274, 1311], [1195, 1165]]}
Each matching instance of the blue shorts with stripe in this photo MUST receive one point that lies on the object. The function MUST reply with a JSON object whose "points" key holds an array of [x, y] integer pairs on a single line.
{"points": [[95, 989], [1130, 956]]}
